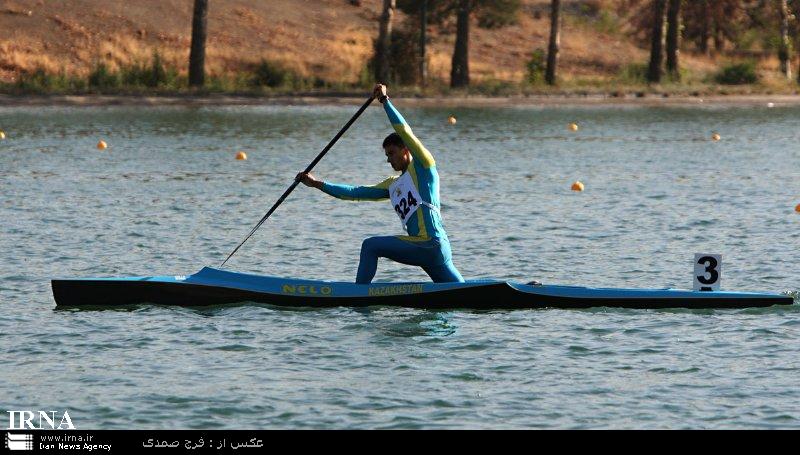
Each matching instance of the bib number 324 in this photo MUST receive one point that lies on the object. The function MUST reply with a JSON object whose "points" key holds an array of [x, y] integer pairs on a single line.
{"points": [[707, 272], [404, 205]]}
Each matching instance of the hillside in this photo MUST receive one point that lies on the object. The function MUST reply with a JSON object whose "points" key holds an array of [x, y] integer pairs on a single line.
{"points": [[327, 39]]}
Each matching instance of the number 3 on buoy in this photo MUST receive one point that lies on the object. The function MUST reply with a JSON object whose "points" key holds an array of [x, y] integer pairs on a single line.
{"points": [[707, 272]]}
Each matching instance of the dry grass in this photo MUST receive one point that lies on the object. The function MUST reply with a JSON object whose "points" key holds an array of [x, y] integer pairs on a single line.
{"points": [[325, 39]]}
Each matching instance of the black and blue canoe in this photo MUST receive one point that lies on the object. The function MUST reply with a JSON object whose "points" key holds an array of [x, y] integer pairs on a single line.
{"points": [[211, 286]]}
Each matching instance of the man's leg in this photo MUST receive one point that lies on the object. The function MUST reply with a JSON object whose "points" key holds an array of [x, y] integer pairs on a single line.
{"points": [[391, 247], [445, 273]]}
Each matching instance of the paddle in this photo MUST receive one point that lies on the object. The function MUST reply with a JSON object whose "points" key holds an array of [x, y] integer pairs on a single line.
{"points": [[297, 182]]}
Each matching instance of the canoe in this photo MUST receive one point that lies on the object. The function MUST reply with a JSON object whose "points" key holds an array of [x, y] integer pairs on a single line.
{"points": [[211, 286]]}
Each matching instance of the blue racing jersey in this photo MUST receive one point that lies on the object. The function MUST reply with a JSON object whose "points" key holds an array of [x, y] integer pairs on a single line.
{"points": [[426, 222]]}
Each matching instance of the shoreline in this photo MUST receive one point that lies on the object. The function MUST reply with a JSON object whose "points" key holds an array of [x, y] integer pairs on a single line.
{"points": [[346, 99]]}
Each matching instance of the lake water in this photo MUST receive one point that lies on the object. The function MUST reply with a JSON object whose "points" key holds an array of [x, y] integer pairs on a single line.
{"points": [[167, 197]]}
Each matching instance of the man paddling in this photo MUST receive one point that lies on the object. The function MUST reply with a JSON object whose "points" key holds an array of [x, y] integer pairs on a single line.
{"points": [[414, 195]]}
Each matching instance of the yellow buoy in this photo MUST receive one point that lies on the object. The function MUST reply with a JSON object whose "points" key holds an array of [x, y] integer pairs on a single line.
{"points": [[770, 104], [451, 120], [102, 145], [573, 127], [577, 186], [241, 156], [2, 135], [715, 137]]}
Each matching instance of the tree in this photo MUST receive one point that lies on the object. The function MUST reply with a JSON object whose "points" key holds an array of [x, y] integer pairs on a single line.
{"points": [[699, 21], [673, 38], [197, 54], [491, 14], [382, 57], [555, 41], [719, 21], [784, 50], [797, 32], [705, 26], [423, 32], [459, 70], [656, 42], [421, 14]]}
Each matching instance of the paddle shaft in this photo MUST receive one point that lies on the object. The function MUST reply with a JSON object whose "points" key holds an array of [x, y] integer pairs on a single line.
{"points": [[297, 182]]}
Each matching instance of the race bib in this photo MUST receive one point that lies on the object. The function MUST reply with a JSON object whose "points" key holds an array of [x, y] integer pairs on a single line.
{"points": [[405, 197]]}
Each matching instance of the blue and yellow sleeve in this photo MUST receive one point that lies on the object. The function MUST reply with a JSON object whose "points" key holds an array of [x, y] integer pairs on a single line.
{"points": [[418, 151], [378, 192]]}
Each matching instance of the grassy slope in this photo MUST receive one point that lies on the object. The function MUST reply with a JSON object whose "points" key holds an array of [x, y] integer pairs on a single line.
{"points": [[330, 39]]}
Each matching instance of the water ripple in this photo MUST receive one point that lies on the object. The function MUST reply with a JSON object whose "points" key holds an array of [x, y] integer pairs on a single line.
{"points": [[169, 198]]}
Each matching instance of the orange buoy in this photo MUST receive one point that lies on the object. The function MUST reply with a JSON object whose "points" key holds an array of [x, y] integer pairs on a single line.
{"points": [[573, 127], [102, 145], [797, 208], [451, 120], [241, 156], [577, 186], [715, 137]]}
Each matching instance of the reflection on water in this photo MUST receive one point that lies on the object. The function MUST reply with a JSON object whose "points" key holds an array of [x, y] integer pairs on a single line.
{"points": [[426, 324]]}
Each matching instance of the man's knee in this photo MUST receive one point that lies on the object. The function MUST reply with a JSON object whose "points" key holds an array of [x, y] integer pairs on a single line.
{"points": [[370, 245]]}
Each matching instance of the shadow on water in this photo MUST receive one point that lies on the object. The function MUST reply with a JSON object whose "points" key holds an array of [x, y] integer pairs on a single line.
{"points": [[428, 315], [92, 308], [199, 309], [423, 323], [774, 309]]}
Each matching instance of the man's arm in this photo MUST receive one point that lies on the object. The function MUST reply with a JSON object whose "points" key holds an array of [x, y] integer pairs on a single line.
{"points": [[418, 151], [377, 192]]}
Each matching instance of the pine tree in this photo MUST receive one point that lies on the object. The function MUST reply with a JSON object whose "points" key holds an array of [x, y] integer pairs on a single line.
{"points": [[673, 38], [555, 42], [459, 70], [656, 42], [197, 54], [382, 54], [784, 50]]}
